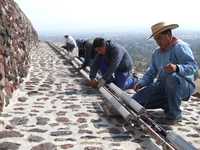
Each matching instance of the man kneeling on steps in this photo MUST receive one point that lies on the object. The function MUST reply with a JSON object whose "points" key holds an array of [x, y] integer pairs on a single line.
{"points": [[174, 66], [114, 64]]}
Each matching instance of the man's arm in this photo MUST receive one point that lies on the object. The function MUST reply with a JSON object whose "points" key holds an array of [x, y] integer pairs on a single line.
{"points": [[150, 74], [87, 55], [186, 62], [94, 68]]}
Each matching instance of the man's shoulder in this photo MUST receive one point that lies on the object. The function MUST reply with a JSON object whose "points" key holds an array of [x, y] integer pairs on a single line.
{"points": [[71, 38], [113, 44], [118, 48], [181, 44], [182, 48]]}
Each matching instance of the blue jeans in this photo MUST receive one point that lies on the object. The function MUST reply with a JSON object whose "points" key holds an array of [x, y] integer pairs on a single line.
{"points": [[166, 94], [124, 80]]}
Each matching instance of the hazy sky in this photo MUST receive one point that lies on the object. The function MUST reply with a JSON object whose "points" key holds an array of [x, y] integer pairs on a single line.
{"points": [[109, 15]]}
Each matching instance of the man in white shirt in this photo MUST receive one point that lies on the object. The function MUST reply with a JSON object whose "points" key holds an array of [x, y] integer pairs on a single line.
{"points": [[70, 45]]}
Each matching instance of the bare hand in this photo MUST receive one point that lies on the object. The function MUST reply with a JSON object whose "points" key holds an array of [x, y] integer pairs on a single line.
{"points": [[93, 83], [137, 87], [170, 68]]}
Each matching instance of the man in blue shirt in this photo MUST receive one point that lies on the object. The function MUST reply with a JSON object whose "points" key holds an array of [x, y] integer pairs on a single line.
{"points": [[174, 66], [114, 64]]}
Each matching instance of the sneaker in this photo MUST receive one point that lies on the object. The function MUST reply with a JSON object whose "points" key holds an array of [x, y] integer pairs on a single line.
{"points": [[169, 121]]}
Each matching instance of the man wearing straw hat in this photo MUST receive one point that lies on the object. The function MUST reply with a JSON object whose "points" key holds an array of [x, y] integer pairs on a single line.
{"points": [[174, 66]]}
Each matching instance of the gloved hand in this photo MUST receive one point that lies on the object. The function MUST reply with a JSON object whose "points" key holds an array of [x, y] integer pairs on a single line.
{"points": [[101, 83]]}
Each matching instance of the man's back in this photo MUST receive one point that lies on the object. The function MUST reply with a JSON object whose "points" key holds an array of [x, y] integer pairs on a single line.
{"points": [[70, 40], [119, 55]]}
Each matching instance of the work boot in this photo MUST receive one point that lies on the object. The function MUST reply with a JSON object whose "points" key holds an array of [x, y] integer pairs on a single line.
{"points": [[171, 121]]}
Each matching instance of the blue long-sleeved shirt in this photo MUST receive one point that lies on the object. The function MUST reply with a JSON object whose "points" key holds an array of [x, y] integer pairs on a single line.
{"points": [[180, 53], [118, 60]]}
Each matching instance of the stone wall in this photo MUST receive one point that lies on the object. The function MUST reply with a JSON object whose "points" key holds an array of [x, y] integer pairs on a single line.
{"points": [[17, 37]]}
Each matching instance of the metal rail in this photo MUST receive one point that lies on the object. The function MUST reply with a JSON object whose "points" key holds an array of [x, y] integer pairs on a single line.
{"points": [[133, 112]]}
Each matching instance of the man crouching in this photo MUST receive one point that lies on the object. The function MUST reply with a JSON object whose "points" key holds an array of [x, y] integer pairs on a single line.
{"points": [[174, 66], [114, 64]]}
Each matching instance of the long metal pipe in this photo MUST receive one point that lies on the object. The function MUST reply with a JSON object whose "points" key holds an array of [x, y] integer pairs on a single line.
{"points": [[127, 99], [74, 64], [117, 106], [179, 142]]}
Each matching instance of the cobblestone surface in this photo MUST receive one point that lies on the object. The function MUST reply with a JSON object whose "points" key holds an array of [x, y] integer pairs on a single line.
{"points": [[53, 109]]}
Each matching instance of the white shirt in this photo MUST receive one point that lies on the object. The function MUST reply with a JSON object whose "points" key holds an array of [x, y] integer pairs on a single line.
{"points": [[71, 40]]}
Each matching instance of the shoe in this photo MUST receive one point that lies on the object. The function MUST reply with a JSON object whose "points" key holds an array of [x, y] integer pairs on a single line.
{"points": [[171, 121]]}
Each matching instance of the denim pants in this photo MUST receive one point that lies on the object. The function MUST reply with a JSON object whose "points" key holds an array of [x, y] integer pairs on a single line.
{"points": [[166, 94], [124, 80]]}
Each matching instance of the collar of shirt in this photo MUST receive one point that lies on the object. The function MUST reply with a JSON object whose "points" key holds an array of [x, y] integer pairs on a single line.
{"points": [[172, 43]]}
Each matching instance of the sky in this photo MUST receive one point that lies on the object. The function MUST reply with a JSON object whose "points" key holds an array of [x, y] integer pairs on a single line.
{"points": [[58, 16]]}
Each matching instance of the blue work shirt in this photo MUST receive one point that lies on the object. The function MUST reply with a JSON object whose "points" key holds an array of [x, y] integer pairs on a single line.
{"points": [[117, 59], [180, 54]]}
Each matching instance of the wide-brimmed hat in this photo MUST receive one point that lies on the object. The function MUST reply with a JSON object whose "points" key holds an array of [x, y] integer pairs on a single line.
{"points": [[160, 27]]}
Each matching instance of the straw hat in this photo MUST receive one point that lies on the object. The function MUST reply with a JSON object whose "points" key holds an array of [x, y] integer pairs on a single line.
{"points": [[160, 27]]}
